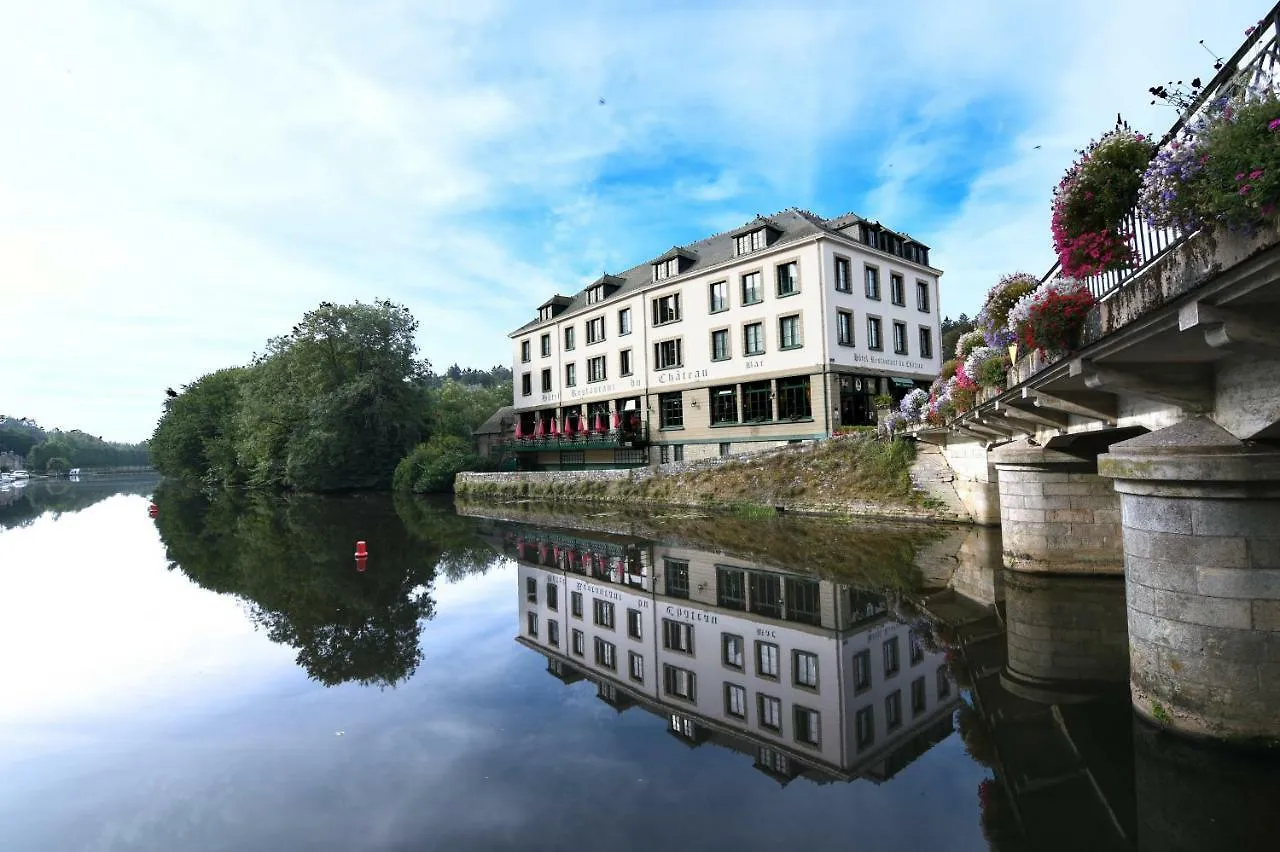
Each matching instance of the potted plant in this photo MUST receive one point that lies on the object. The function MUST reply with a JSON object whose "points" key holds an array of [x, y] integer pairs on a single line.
{"points": [[1049, 319]]}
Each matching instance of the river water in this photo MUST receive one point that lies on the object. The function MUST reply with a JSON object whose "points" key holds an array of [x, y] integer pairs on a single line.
{"points": [[226, 676]]}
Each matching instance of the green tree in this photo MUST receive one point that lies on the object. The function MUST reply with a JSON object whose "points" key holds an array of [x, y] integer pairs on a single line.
{"points": [[196, 435], [57, 465], [432, 466]]}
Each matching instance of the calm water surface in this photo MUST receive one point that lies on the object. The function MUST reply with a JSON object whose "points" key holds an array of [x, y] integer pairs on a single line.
{"points": [[226, 676]]}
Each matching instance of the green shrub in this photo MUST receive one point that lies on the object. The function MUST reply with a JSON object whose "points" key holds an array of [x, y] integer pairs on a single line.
{"points": [[882, 400], [432, 466]]}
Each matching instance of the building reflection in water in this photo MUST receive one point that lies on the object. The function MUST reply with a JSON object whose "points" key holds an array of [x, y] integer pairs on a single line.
{"points": [[806, 676]]}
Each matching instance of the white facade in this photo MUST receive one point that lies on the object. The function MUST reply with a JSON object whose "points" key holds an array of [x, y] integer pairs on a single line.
{"points": [[811, 283], [837, 695]]}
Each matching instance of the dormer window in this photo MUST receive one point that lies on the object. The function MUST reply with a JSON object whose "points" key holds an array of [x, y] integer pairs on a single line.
{"points": [[750, 241], [673, 263], [544, 314], [595, 294], [666, 269]]}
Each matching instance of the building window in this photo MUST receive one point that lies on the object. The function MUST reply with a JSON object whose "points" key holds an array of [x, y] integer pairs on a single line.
{"points": [[765, 594], [873, 283], [873, 333], [636, 666], [897, 291], [596, 369], [724, 449], [891, 664], [533, 625], [918, 700], [531, 589], [635, 624], [922, 295], [735, 701], [789, 279], [666, 309], [767, 660], [844, 328], [526, 384], [595, 330], [753, 338], [679, 683], [624, 362], [668, 354], [671, 410], [571, 375], [747, 243], [546, 381], [568, 339], [578, 643], [926, 342], [751, 291], [893, 710], [731, 650], [602, 613], [770, 712], [900, 338], [724, 405], [789, 332], [793, 399], [757, 404], [773, 760], [864, 727], [861, 671], [807, 725], [677, 574], [719, 296], [731, 588], [606, 654], [915, 649], [677, 452], [720, 345], [804, 669], [944, 683], [677, 636], [595, 294], [553, 633], [575, 604], [624, 322], [546, 345], [553, 596], [843, 281], [524, 351]]}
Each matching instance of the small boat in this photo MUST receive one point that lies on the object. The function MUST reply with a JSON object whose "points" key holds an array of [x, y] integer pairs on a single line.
{"points": [[21, 474]]}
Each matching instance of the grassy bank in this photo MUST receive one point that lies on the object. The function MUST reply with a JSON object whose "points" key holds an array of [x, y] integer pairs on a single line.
{"points": [[856, 474]]}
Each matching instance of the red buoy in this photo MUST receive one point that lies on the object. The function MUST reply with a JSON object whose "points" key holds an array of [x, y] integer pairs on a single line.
{"points": [[362, 563], [362, 552]]}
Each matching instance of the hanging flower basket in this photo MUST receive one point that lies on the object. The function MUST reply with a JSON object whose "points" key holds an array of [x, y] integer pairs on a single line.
{"points": [[1050, 318], [1091, 203], [993, 319]]}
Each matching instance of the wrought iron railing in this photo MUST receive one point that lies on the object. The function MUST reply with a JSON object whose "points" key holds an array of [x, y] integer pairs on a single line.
{"points": [[1258, 56], [636, 436]]}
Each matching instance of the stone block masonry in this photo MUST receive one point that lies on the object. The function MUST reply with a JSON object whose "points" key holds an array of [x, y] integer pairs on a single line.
{"points": [[1201, 516], [1057, 514]]}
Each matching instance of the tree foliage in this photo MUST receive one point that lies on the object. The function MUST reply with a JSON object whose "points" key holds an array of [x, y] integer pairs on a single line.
{"points": [[432, 466], [952, 329], [333, 405]]}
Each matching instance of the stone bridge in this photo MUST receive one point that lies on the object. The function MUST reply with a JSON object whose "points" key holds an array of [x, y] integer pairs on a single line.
{"points": [[1154, 453]]}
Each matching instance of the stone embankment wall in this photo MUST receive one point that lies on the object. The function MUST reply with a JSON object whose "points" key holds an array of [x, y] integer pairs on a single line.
{"points": [[632, 486]]}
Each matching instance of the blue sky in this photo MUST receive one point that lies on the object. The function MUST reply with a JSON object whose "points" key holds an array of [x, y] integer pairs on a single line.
{"points": [[181, 180]]}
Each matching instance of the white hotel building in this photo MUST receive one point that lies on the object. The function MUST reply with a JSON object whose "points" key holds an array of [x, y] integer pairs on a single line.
{"points": [[779, 331], [806, 676]]}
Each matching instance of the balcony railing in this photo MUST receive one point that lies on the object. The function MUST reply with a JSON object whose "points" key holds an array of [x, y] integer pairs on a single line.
{"points": [[1257, 57], [610, 440]]}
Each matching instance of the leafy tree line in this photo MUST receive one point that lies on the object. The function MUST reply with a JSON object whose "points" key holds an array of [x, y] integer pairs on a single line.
{"points": [[951, 331], [55, 450], [335, 405]]}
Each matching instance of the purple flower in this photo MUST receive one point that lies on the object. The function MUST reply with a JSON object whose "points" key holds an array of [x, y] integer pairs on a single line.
{"points": [[1244, 190], [1255, 174], [1274, 124], [1239, 177]]}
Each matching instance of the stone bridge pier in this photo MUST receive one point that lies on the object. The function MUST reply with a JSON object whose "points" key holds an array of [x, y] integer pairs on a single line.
{"points": [[1200, 511]]}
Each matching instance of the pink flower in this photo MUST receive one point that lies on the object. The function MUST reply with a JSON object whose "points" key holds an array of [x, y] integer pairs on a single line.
{"points": [[1255, 174], [1240, 177], [1244, 190], [1274, 124]]}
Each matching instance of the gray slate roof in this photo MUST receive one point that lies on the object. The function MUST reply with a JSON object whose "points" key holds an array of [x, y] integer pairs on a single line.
{"points": [[493, 426], [793, 224]]}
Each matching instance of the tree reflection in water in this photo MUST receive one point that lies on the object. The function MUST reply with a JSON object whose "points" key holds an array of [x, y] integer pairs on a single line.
{"points": [[291, 559]]}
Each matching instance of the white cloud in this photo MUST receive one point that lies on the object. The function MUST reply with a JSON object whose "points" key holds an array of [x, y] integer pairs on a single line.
{"points": [[181, 181]]}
